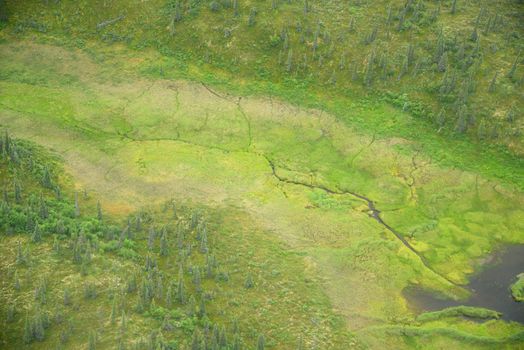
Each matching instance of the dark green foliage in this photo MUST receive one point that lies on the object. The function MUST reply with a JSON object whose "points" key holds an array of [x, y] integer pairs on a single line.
{"points": [[202, 308], [91, 341], [164, 247], [462, 120], [20, 258], [197, 281], [511, 73], [371, 36], [99, 210], [67, 297], [4, 16], [196, 340], [261, 342], [34, 327], [11, 312], [235, 8], [443, 63], [37, 234], [492, 84], [113, 312], [214, 6], [181, 292], [123, 322], [90, 290], [453, 6], [252, 17], [222, 342], [249, 283]]}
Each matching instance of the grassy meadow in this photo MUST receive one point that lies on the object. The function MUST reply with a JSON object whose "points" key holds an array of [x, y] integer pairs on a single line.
{"points": [[203, 144]]}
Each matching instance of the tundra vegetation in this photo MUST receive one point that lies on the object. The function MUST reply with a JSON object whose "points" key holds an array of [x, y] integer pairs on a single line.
{"points": [[249, 174]]}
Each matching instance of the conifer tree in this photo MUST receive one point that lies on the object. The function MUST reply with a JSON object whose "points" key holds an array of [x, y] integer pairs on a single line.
{"points": [[91, 342], [195, 341], [192, 307], [113, 312], [222, 338], [443, 63], [38, 327], [511, 73], [17, 282], [202, 308], [169, 297], [18, 192], [289, 62], [67, 297], [163, 245], [77, 205], [197, 280], [28, 331], [20, 259], [235, 8], [252, 15], [453, 6], [123, 322], [492, 84], [249, 281], [261, 342], [37, 234], [99, 210], [11, 311], [181, 293]]}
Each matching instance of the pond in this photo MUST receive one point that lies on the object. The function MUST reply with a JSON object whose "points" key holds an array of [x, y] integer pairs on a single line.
{"points": [[489, 287]]}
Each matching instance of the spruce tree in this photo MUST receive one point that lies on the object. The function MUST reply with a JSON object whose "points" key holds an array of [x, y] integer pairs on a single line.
{"points": [[18, 192], [164, 251], [261, 342], [99, 210], [236, 343], [453, 6], [20, 259], [197, 280], [28, 331], [37, 234], [235, 8], [113, 312], [67, 297], [511, 73], [192, 307], [492, 84], [443, 63], [249, 283], [202, 308], [38, 327], [169, 297], [223, 338], [289, 62], [11, 311], [91, 341], [17, 282], [195, 341], [123, 322]]}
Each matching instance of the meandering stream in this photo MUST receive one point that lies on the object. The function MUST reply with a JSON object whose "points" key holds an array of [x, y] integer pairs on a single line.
{"points": [[489, 287]]}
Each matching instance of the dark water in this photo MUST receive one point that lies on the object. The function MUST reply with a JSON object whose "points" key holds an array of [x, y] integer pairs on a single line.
{"points": [[489, 287]]}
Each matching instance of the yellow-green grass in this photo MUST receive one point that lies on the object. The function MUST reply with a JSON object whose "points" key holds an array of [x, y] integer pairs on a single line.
{"points": [[137, 141], [283, 33]]}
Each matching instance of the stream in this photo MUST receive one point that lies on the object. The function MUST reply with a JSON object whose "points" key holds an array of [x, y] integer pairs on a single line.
{"points": [[489, 287]]}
